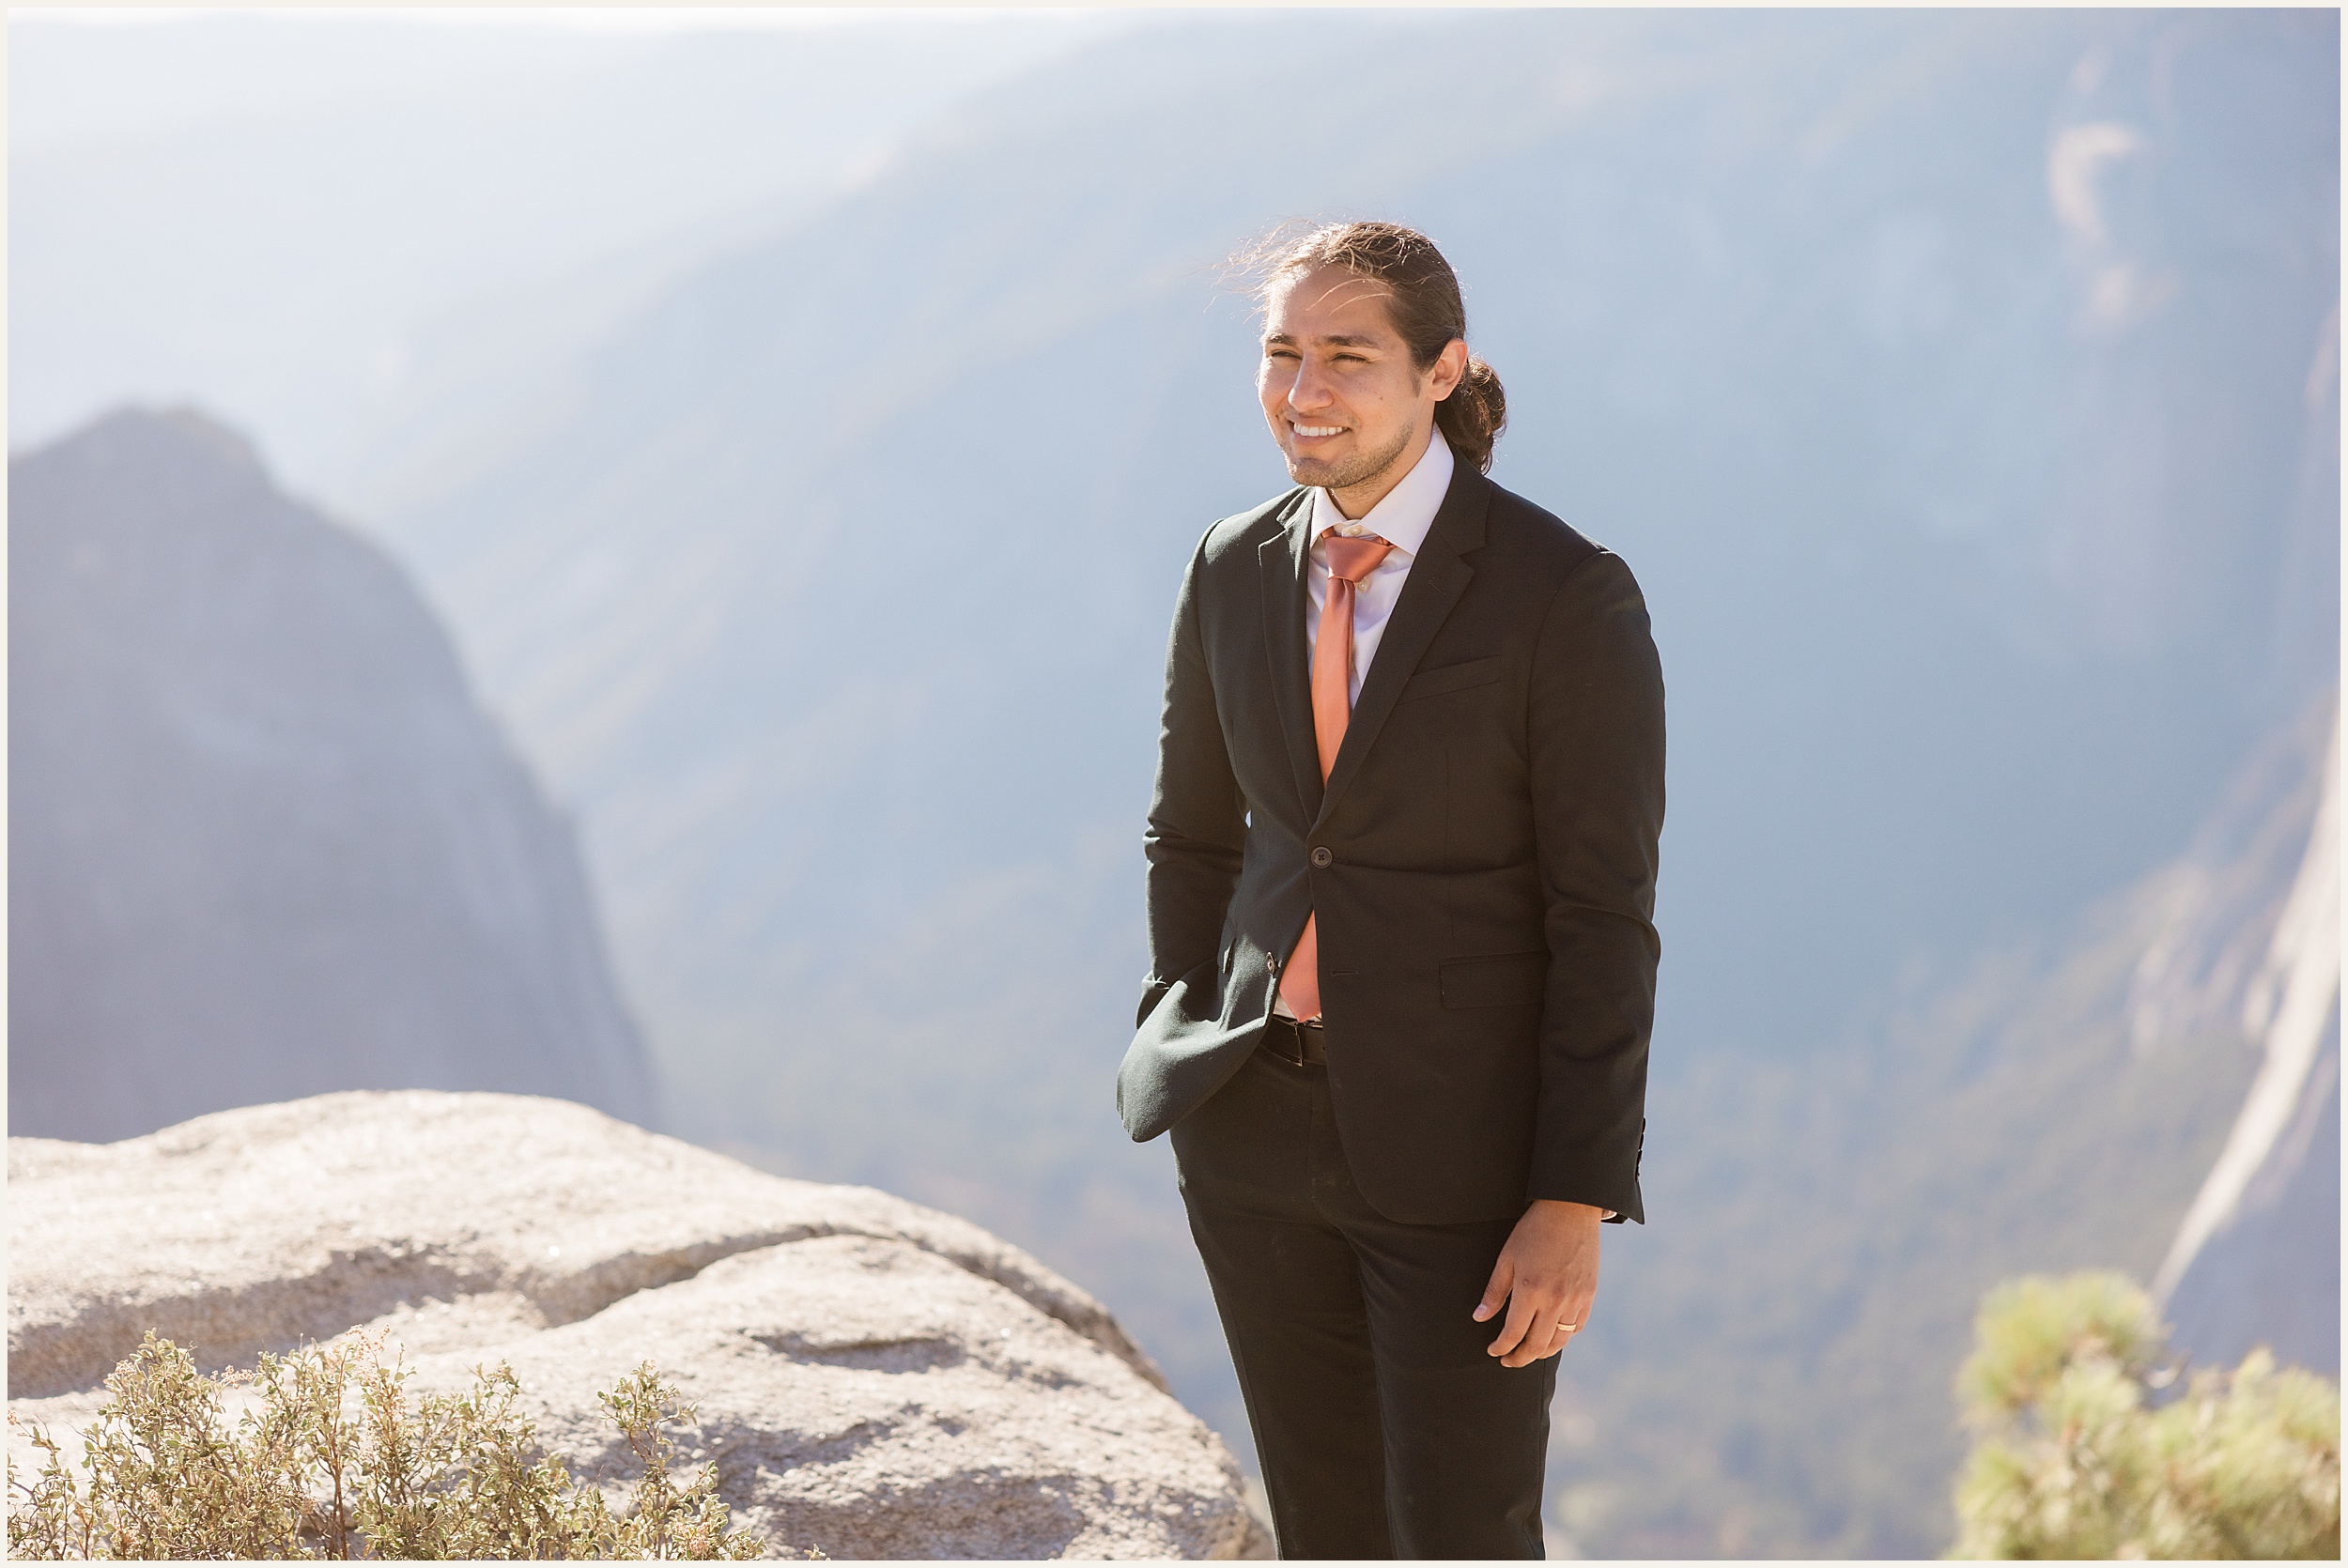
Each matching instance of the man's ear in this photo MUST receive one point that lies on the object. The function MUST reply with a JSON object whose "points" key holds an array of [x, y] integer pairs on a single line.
{"points": [[1450, 368]]}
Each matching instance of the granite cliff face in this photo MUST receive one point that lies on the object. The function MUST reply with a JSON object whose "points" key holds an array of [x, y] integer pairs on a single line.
{"points": [[262, 841], [2256, 1259], [873, 1379], [2152, 1080]]}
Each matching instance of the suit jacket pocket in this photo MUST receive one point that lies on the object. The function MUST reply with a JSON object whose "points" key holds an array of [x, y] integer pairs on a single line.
{"points": [[1502, 980], [1450, 678]]}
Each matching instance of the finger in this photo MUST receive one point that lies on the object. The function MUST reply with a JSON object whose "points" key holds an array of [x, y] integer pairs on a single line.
{"points": [[1530, 1349], [1546, 1337], [1520, 1322], [1575, 1312], [1496, 1289]]}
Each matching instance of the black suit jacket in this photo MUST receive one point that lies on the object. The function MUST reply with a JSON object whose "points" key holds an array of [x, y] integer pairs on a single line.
{"points": [[1483, 858]]}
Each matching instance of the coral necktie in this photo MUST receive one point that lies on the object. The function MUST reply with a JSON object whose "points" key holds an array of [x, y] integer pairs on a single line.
{"points": [[1350, 562]]}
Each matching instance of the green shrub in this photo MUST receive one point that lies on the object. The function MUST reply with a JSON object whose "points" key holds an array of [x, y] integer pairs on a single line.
{"points": [[336, 1460], [2075, 1460]]}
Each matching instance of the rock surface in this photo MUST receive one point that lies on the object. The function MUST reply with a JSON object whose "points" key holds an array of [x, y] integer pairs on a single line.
{"points": [[874, 1379]]}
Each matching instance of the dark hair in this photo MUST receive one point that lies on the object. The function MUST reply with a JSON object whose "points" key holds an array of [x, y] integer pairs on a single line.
{"points": [[1422, 300]]}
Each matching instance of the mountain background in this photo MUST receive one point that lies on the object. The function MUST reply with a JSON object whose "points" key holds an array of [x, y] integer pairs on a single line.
{"points": [[1961, 386], [263, 842]]}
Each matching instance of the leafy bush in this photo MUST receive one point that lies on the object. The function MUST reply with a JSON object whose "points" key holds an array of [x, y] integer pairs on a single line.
{"points": [[2075, 1459], [336, 1460]]}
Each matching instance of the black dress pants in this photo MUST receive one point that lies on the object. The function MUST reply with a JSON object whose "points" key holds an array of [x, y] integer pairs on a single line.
{"points": [[1383, 1427]]}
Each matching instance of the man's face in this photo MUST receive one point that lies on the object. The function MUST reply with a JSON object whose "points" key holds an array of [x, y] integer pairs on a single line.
{"points": [[1339, 389]]}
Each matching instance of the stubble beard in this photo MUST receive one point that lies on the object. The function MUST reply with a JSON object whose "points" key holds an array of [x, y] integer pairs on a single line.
{"points": [[1344, 476]]}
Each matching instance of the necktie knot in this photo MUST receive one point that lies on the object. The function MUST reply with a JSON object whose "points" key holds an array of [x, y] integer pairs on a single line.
{"points": [[1352, 559]]}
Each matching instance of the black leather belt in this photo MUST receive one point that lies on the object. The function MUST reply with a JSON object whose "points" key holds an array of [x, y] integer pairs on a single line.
{"points": [[1297, 1044]]}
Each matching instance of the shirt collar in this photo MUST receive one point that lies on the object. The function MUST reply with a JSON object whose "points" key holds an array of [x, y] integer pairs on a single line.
{"points": [[1408, 510]]}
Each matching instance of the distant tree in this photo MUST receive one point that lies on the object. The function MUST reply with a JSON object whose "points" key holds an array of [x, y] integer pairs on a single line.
{"points": [[2075, 1459], [337, 1460]]}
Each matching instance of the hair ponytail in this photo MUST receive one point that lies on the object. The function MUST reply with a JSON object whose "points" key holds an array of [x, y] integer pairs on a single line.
{"points": [[1473, 417], [1422, 300]]}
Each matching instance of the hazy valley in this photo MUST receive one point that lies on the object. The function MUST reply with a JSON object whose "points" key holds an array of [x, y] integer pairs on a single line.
{"points": [[1963, 388]]}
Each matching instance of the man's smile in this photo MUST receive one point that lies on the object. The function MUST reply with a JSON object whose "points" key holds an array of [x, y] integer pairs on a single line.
{"points": [[1312, 431]]}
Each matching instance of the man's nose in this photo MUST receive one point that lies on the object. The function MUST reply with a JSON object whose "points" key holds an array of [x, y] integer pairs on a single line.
{"points": [[1308, 390]]}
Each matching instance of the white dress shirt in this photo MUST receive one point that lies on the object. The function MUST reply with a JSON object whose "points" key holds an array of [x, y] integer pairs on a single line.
{"points": [[1401, 520]]}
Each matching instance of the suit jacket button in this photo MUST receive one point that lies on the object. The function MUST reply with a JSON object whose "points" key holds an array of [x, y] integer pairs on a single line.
{"points": [[1321, 857]]}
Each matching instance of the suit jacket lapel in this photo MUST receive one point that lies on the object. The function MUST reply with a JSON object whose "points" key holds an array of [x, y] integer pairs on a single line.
{"points": [[1437, 579], [1280, 562]]}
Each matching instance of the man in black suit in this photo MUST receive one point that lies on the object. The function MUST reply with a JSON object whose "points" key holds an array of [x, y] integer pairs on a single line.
{"points": [[1402, 857]]}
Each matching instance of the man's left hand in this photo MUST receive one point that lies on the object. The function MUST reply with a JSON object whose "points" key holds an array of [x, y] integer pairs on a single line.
{"points": [[1548, 1275]]}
